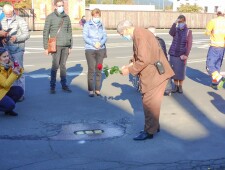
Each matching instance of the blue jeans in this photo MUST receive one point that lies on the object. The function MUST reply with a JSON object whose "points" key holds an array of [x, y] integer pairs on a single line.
{"points": [[214, 59], [8, 102]]}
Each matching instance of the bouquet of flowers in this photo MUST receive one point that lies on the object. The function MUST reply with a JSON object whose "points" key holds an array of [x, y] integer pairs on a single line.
{"points": [[109, 70]]}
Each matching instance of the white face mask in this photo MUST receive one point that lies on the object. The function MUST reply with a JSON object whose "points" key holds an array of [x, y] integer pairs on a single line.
{"points": [[60, 9], [96, 20]]}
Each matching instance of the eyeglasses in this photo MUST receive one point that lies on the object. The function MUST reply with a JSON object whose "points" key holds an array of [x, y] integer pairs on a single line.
{"points": [[61, 6]]}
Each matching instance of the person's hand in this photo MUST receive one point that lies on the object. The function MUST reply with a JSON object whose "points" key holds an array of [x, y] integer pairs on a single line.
{"points": [[177, 20], [70, 50], [16, 70], [130, 64], [13, 38], [124, 70], [183, 57], [46, 52], [97, 45], [3, 34], [4, 41]]}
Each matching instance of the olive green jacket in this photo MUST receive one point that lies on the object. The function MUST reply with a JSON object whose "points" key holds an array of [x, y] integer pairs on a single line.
{"points": [[52, 24]]}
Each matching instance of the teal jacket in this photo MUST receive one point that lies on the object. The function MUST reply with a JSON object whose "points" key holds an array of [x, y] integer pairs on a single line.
{"points": [[52, 24]]}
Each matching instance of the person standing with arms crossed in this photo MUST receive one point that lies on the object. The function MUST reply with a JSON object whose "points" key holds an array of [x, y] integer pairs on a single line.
{"points": [[147, 53], [58, 21], [216, 30]]}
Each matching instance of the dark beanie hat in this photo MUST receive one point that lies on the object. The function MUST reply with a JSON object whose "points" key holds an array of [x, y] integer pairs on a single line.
{"points": [[2, 50]]}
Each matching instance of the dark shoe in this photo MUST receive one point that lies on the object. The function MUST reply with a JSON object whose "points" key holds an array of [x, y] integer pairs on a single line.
{"points": [[52, 90], [175, 89], [11, 113], [66, 89], [91, 94], [167, 93], [143, 136], [180, 89], [158, 130]]}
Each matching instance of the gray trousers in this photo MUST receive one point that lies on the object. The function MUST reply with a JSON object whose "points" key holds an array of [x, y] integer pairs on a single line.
{"points": [[94, 57], [19, 58], [59, 61]]}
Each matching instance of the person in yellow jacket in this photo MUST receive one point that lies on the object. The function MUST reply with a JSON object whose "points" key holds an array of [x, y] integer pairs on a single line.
{"points": [[216, 30], [9, 72]]}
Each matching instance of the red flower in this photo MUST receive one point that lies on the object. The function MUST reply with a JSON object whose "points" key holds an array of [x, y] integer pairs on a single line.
{"points": [[99, 66], [16, 64]]}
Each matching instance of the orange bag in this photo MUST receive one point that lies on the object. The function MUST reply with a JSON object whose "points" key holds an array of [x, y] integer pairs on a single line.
{"points": [[52, 41], [52, 45]]}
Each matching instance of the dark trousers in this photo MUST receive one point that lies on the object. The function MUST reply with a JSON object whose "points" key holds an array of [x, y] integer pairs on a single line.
{"points": [[59, 61], [94, 57], [8, 102], [151, 103]]}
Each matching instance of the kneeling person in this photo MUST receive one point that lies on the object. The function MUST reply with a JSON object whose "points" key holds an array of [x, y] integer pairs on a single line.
{"points": [[9, 73]]}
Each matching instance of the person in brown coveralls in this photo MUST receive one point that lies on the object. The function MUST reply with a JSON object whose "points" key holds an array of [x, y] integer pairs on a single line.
{"points": [[147, 52]]}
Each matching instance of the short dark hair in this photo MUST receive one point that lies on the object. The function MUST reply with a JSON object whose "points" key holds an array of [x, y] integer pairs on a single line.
{"points": [[2, 50], [56, 1]]}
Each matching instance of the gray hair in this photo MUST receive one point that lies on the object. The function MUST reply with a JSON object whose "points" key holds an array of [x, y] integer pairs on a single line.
{"points": [[152, 29], [123, 25], [8, 8]]}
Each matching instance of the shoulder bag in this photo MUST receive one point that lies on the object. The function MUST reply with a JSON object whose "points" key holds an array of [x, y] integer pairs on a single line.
{"points": [[52, 41]]}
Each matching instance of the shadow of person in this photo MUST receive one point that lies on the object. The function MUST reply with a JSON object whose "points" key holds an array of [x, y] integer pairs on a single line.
{"points": [[73, 72], [128, 93], [218, 102], [198, 76]]}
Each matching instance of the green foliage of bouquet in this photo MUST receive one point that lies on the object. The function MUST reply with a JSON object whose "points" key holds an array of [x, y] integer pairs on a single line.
{"points": [[111, 70]]}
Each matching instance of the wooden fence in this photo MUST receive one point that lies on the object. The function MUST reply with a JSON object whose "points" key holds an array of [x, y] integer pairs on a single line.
{"points": [[110, 19], [158, 19]]}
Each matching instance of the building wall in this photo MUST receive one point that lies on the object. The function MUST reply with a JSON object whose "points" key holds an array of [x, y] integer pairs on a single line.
{"points": [[208, 6]]}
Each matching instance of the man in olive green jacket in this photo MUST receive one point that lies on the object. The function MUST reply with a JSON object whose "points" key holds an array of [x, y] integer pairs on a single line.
{"points": [[58, 21]]}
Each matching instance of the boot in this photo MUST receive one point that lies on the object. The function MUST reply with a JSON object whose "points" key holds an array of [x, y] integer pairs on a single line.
{"points": [[220, 83], [175, 89], [180, 89], [53, 78]]}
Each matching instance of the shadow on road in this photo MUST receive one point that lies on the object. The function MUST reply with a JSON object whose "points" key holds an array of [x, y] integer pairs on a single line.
{"points": [[198, 76], [218, 102]]}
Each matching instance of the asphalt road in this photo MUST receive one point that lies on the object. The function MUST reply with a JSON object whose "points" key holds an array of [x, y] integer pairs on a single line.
{"points": [[73, 131]]}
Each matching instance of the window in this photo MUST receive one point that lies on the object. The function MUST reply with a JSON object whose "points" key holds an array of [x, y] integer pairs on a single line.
{"points": [[215, 8], [206, 9]]}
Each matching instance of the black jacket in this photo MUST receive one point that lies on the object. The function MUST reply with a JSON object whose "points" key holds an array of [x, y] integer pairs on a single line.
{"points": [[163, 45]]}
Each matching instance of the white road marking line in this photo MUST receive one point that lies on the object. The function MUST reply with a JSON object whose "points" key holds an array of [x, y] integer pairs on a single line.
{"points": [[76, 61], [77, 73]]}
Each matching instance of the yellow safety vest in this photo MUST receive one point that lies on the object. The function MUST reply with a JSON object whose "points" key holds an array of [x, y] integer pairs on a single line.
{"points": [[216, 30]]}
